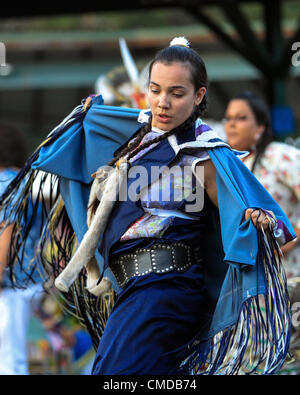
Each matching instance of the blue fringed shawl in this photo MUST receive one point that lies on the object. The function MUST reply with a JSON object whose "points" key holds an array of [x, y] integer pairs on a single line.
{"points": [[251, 322]]}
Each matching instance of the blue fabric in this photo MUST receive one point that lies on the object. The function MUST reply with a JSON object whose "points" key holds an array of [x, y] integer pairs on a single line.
{"points": [[237, 188], [93, 142], [180, 230], [6, 176], [153, 320], [127, 212], [80, 151], [83, 344]]}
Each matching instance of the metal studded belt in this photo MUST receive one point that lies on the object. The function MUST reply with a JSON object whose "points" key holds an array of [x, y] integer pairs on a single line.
{"points": [[160, 258]]}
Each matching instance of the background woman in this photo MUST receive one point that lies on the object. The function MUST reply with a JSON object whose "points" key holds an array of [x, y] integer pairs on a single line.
{"points": [[275, 164]]}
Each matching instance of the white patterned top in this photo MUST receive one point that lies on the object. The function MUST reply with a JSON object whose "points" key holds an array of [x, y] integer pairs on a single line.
{"points": [[279, 172]]}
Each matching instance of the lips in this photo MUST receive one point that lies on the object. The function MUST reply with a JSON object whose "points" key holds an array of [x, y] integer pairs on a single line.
{"points": [[163, 117], [232, 133]]}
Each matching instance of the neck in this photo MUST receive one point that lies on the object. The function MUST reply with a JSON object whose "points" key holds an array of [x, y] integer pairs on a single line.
{"points": [[251, 154], [157, 130]]}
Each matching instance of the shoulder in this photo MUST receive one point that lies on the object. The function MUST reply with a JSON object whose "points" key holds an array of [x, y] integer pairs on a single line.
{"points": [[283, 152], [205, 137], [201, 136]]}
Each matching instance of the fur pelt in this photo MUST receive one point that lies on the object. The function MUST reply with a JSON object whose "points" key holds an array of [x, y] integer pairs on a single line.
{"points": [[105, 188]]}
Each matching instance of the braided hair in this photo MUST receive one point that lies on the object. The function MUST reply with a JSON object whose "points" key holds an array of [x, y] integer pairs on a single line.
{"points": [[169, 55], [262, 117]]}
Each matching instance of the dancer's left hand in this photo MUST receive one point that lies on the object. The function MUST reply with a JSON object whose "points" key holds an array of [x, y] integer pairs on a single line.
{"points": [[258, 217]]}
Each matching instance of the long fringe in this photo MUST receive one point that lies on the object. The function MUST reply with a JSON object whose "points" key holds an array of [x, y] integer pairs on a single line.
{"points": [[76, 115], [58, 246], [259, 342], [22, 204]]}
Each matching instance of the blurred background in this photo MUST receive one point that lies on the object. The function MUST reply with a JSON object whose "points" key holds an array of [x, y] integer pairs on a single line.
{"points": [[53, 56]]}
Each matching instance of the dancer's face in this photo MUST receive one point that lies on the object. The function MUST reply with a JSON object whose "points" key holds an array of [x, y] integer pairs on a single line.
{"points": [[242, 130], [171, 94]]}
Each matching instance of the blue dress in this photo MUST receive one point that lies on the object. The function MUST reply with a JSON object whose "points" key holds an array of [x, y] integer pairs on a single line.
{"points": [[156, 316], [153, 320]]}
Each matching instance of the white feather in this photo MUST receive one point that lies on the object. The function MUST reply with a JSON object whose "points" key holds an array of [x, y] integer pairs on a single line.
{"points": [[180, 41], [129, 63]]}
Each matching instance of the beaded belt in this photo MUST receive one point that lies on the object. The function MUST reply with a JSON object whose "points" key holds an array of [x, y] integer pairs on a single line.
{"points": [[160, 258]]}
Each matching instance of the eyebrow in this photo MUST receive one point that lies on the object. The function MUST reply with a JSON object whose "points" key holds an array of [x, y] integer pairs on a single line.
{"points": [[171, 87], [239, 114]]}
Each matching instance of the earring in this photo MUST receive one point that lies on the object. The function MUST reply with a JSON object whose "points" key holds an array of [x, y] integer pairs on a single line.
{"points": [[257, 137]]}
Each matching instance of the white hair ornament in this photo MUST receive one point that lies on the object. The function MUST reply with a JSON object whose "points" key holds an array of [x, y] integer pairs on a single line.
{"points": [[182, 41]]}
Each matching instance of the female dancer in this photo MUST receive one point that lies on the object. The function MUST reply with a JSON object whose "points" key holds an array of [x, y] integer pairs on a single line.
{"points": [[188, 245]]}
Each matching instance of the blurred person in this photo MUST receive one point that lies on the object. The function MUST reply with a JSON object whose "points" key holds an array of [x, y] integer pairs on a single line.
{"points": [[71, 339], [275, 164], [16, 305], [66, 336]]}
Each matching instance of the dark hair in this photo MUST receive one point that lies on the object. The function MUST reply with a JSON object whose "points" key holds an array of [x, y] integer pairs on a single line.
{"points": [[13, 151], [171, 54], [262, 117], [178, 53]]}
